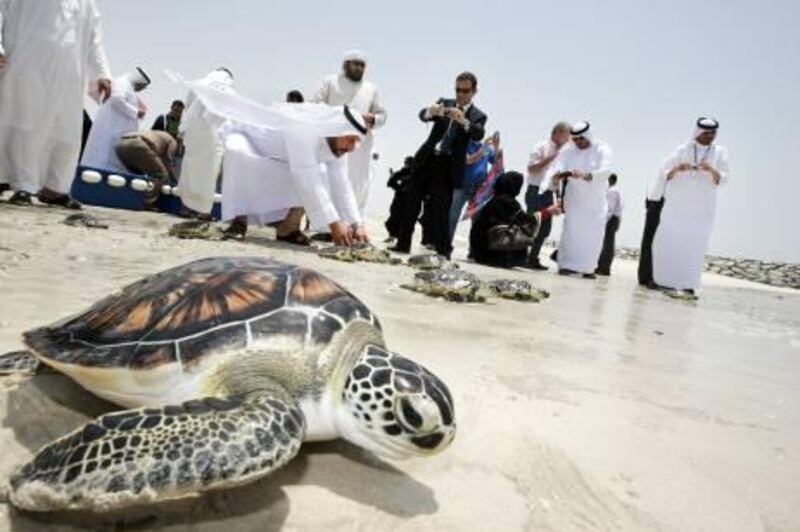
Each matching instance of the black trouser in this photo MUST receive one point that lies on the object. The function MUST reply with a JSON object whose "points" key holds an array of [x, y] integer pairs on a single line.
{"points": [[394, 223], [534, 203], [651, 220], [607, 254], [434, 180]]}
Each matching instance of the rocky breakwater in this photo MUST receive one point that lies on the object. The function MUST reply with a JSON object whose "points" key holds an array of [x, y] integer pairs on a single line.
{"points": [[771, 273]]}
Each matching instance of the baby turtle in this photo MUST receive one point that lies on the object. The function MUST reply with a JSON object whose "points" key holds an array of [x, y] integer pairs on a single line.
{"points": [[83, 219], [227, 365], [431, 261], [452, 285], [199, 229], [358, 252], [517, 290]]}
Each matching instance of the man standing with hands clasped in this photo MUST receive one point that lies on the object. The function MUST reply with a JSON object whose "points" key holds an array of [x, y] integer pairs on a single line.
{"points": [[439, 163], [689, 179]]}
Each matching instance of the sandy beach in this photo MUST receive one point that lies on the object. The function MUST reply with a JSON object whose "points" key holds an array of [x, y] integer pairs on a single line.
{"points": [[606, 407]]}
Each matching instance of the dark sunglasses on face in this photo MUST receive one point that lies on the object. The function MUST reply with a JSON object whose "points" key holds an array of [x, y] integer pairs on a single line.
{"points": [[463, 91]]}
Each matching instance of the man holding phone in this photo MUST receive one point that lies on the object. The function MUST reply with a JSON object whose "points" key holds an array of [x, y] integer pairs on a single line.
{"points": [[439, 162]]}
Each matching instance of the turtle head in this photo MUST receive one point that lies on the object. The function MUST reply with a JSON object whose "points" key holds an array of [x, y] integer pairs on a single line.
{"points": [[394, 407]]}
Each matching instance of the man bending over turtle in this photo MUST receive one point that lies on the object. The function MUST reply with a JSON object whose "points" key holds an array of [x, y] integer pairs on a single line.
{"points": [[285, 159]]}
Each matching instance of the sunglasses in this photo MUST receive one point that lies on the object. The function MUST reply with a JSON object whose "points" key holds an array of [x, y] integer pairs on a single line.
{"points": [[463, 91]]}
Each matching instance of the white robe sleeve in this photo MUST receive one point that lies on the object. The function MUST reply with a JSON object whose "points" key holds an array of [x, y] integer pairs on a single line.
{"points": [[722, 165], [323, 92], [377, 108], [96, 59], [342, 194], [603, 169], [3, 10], [308, 179], [121, 100], [656, 189]]}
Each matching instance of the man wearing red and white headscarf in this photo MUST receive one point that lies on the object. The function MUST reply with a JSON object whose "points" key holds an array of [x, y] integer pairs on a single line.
{"points": [[49, 50], [688, 182]]}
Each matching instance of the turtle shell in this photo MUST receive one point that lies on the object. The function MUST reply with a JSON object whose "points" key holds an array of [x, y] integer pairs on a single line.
{"points": [[191, 311]]}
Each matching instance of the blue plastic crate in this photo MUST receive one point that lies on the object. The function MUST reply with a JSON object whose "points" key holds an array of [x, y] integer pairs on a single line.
{"points": [[124, 197]]}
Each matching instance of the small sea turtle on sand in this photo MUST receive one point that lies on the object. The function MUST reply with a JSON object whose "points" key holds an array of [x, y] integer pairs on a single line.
{"points": [[431, 261], [517, 289], [227, 366], [358, 252], [682, 295], [453, 285], [83, 219], [199, 229]]}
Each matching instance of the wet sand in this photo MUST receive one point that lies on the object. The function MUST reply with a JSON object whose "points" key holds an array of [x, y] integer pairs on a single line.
{"points": [[606, 407]]}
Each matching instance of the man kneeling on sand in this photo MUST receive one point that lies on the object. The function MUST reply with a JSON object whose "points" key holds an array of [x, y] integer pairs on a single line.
{"points": [[150, 153], [283, 159]]}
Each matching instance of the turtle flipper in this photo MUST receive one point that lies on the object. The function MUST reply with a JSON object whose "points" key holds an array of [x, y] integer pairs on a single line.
{"points": [[149, 454], [19, 363]]}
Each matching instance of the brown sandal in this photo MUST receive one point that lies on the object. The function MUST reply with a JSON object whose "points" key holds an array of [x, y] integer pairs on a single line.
{"points": [[62, 200], [20, 197], [298, 238]]}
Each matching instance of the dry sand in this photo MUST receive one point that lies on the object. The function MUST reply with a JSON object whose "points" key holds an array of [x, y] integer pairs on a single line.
{"points": [[607, 407]]}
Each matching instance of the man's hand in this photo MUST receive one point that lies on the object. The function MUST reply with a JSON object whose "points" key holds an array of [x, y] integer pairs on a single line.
{"points": [[369, 118], [3, 61], [104, 88], [683, 167], [340, 234], [458, 115], [710, 169], [436, 110], [359, 233]]}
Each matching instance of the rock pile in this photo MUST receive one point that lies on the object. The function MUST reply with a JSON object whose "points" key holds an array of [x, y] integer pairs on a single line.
{"points": [[771, 273]]}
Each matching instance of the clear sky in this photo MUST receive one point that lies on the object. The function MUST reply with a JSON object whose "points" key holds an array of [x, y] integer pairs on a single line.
{"points": [[640, 71]]}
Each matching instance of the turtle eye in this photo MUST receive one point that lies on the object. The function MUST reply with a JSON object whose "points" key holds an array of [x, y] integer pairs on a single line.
{"points": [[408, 415]]}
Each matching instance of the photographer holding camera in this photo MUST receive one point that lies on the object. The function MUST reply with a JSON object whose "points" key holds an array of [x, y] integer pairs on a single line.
{"points": [[439, 163]]}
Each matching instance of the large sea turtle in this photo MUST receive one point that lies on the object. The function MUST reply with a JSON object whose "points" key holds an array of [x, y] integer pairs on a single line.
{"points": [[228, 365]]}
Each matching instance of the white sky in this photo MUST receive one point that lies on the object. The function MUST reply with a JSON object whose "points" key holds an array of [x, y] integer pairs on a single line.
{"points": [[639, 71]]}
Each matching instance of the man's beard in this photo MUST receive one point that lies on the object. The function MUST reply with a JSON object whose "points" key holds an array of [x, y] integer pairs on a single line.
{"points": [[354, 77]]}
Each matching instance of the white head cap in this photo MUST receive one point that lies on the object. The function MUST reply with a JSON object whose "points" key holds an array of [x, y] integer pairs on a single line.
{"points": [[704, 125], [354, 55], [581, 129], [138, 77]]}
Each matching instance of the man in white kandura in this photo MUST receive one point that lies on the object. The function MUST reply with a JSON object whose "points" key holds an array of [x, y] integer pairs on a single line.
{"points": [[49, 50], [117, 116], [583, 167], [285, 159], [689, 179], [351, 89], [200, 133]]}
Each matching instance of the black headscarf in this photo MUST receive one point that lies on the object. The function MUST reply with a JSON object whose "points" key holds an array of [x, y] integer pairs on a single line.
{"points": [[502, 209], [508, 184]]}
